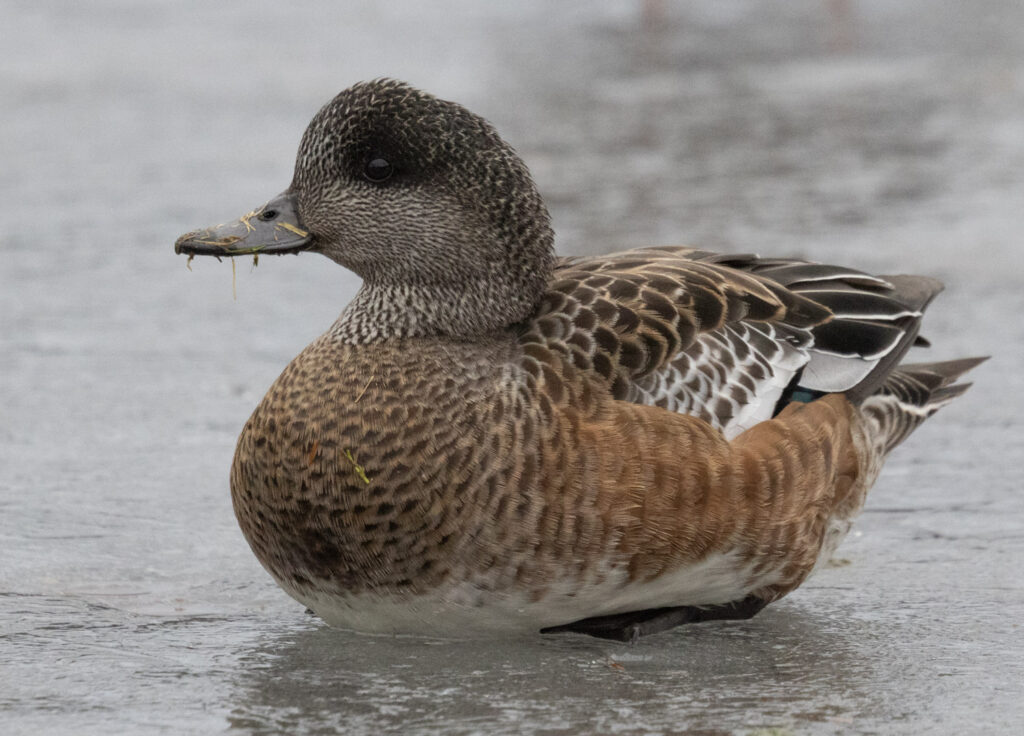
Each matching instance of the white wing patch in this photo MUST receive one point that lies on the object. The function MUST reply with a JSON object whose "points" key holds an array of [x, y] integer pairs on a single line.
{"points": [[732, 377]]}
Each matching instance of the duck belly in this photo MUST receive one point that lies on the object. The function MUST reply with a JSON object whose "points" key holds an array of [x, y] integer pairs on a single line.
{"points": [[469, 609]]}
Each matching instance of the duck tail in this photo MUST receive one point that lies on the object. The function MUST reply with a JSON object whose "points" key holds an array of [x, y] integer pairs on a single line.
{"points": [[910, 394], [874, 321]]}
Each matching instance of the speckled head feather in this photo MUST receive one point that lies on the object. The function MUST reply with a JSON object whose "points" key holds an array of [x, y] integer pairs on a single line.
{"points": [[455, 240]]}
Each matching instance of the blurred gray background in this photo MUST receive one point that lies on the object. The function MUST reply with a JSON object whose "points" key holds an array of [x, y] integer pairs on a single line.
{"points": [[888, 136]]}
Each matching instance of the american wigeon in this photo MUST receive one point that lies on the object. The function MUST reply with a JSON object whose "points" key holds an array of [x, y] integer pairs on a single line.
{"points": [[492, 439]]}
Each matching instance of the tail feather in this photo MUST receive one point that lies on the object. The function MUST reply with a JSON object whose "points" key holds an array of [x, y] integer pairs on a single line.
{"points": [[875, 321], [913, 392], [907, 297]]}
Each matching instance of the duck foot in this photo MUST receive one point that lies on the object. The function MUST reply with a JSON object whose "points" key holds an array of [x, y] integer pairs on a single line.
{"points": [[634, 624]]}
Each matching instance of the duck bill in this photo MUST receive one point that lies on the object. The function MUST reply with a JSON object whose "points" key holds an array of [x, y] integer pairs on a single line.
{"points": [[273, 229]]}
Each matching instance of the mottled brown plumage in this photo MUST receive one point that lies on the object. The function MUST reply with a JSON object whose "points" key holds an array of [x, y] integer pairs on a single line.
{"points": [[493, 440]]}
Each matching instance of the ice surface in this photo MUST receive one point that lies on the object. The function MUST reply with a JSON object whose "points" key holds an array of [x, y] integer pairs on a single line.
{"points": [[887, 136]]}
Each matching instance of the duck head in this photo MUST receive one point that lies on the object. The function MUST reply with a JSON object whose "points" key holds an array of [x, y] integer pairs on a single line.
{"points": [[419, 197]]}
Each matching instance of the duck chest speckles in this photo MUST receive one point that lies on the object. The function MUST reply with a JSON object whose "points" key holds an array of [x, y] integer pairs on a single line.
{"points": [[383, 468]]}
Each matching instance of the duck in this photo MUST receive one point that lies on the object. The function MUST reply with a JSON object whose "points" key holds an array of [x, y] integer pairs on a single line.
{"points": [[492, 440]]}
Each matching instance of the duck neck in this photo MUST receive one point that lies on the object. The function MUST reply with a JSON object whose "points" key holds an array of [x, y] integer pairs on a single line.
{"points": [[467, 277], [468, 309]]}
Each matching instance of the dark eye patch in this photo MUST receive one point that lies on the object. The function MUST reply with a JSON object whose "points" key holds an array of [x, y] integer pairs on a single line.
{"points": [[385, 157]]}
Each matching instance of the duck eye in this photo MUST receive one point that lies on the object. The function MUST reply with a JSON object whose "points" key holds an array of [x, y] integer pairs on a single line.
{"points": [[378, 170]]}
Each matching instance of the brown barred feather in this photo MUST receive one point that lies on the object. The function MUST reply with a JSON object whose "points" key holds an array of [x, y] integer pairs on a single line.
{"points": [[631, 314], [525, 477]]}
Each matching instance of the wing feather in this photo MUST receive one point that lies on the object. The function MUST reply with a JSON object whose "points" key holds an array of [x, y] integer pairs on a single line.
{"points": [[722, 337]]}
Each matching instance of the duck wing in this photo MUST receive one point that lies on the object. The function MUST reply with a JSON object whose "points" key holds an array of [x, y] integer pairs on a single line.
{"points": [[730, 339]]}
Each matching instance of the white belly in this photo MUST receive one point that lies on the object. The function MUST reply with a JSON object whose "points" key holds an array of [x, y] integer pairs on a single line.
{"points": [[464, 610]]}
